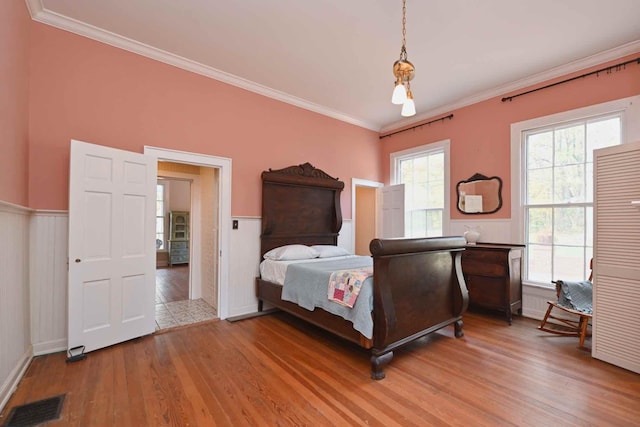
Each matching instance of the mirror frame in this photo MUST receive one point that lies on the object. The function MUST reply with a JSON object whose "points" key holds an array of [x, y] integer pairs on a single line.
{"points": [[479, 177]]}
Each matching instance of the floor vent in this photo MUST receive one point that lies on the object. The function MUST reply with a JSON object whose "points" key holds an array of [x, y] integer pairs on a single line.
{"points": [[35, 413]]}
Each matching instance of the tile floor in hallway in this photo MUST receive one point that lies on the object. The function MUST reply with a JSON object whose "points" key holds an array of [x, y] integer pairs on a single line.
{"points": [[180, 313]]}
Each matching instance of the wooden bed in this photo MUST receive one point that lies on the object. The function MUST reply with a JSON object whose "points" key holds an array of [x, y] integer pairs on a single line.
{"points": [[418, 283]]}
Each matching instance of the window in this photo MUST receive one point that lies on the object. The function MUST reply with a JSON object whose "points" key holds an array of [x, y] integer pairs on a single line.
{"points": [[558, 195], [424, 171], [552, 185], [160, 217]]}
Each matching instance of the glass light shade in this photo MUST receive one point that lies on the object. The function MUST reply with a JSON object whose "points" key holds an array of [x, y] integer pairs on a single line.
{"points": [[399, 94], [408, 108]]}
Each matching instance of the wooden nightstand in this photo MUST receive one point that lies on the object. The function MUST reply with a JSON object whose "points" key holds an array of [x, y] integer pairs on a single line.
{"points": [[493, 276]]}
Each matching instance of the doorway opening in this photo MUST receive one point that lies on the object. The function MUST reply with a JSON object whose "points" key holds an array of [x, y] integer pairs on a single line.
{"points": [[210, 220], [179, 297], [187, 211], [364, 211]]}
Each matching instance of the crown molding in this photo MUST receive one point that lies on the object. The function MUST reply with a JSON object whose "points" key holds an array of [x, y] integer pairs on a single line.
{"points": [[563, 70], [40, 14]]}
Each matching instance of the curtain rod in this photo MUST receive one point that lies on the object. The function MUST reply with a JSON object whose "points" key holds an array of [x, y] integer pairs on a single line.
{"points": [[608, 69], [450, 116]]}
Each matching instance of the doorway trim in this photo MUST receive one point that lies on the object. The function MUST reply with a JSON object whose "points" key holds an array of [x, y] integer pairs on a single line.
{"points": [[357, 182], [195, 271], [224, 165]]}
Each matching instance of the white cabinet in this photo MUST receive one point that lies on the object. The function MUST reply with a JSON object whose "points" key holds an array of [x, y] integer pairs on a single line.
{"points": [[616, 271]]}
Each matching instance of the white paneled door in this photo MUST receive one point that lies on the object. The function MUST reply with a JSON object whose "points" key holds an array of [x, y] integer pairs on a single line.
{"points": [[111, 246], [391, 202]]}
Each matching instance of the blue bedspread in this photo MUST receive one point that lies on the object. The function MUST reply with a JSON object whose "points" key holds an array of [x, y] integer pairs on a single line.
{"points": [[306, 284]]}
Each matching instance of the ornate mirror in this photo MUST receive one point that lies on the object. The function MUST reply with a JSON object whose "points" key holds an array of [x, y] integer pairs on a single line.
{"points": [[479, 195]]}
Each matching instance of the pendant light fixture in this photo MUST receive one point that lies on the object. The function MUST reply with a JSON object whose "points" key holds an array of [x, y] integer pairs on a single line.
{"points": [[404, 71]]}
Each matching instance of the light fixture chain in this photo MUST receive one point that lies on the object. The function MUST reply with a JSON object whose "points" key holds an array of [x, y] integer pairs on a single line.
{"points": [[404, 22], [403, 50]]}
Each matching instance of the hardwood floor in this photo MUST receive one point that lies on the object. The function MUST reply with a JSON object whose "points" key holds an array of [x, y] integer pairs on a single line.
{"points": [[172, 283], [273, 370]]}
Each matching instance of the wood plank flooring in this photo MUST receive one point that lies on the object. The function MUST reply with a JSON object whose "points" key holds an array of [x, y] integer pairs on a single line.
{"points": [[273, 370], [172, 283]]}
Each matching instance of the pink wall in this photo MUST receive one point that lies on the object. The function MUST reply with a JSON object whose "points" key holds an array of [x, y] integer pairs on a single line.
{"points": [[14, 108], [85, 90], [480, 133], [82, 89]]}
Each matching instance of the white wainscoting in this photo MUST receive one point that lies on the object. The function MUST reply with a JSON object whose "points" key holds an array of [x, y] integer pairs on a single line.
{"points": [[48, 271], [48, 280], [15, 342], [491, 230], [244, 259], [345, 239], [48, 276], [534, 301]]}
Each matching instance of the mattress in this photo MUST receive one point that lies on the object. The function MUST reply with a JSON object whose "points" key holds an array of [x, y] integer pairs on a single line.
{"points": [[306, 282]]}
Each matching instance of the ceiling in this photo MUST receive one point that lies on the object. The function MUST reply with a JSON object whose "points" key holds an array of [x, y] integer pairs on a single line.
{"points": [[335, 57]]}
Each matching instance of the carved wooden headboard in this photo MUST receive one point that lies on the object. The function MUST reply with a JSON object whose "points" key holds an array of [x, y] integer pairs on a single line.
{"points": [[300, 204]]}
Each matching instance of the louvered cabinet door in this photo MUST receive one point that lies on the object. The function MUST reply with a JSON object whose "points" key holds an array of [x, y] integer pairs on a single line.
{"points": [[616, 293]]}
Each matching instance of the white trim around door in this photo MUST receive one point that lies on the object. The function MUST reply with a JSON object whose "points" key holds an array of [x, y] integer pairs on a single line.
{"points": [[224, 165], [357, 182]]}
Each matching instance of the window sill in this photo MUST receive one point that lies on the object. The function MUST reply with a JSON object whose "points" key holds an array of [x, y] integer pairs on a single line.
{"points": [[532, 285]]}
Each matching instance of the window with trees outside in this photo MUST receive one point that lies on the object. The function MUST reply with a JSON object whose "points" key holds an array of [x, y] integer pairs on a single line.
{"points": [[160, 218], [424, 171], [557, 165]]}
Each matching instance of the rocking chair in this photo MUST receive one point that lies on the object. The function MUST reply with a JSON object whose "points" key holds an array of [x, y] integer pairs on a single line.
{"points": [[574, 298]]}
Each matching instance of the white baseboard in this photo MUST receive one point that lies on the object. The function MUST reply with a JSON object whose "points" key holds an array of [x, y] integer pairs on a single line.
{"points": [[48, 347], [14, 378], [245, 310]]}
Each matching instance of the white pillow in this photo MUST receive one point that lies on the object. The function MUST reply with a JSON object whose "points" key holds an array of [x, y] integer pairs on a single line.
{"points": [[329, 251], [291, 252]]}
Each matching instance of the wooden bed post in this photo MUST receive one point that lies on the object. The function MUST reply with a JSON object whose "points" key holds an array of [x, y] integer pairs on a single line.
{"points": [[378, 362], [463, 304]]}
